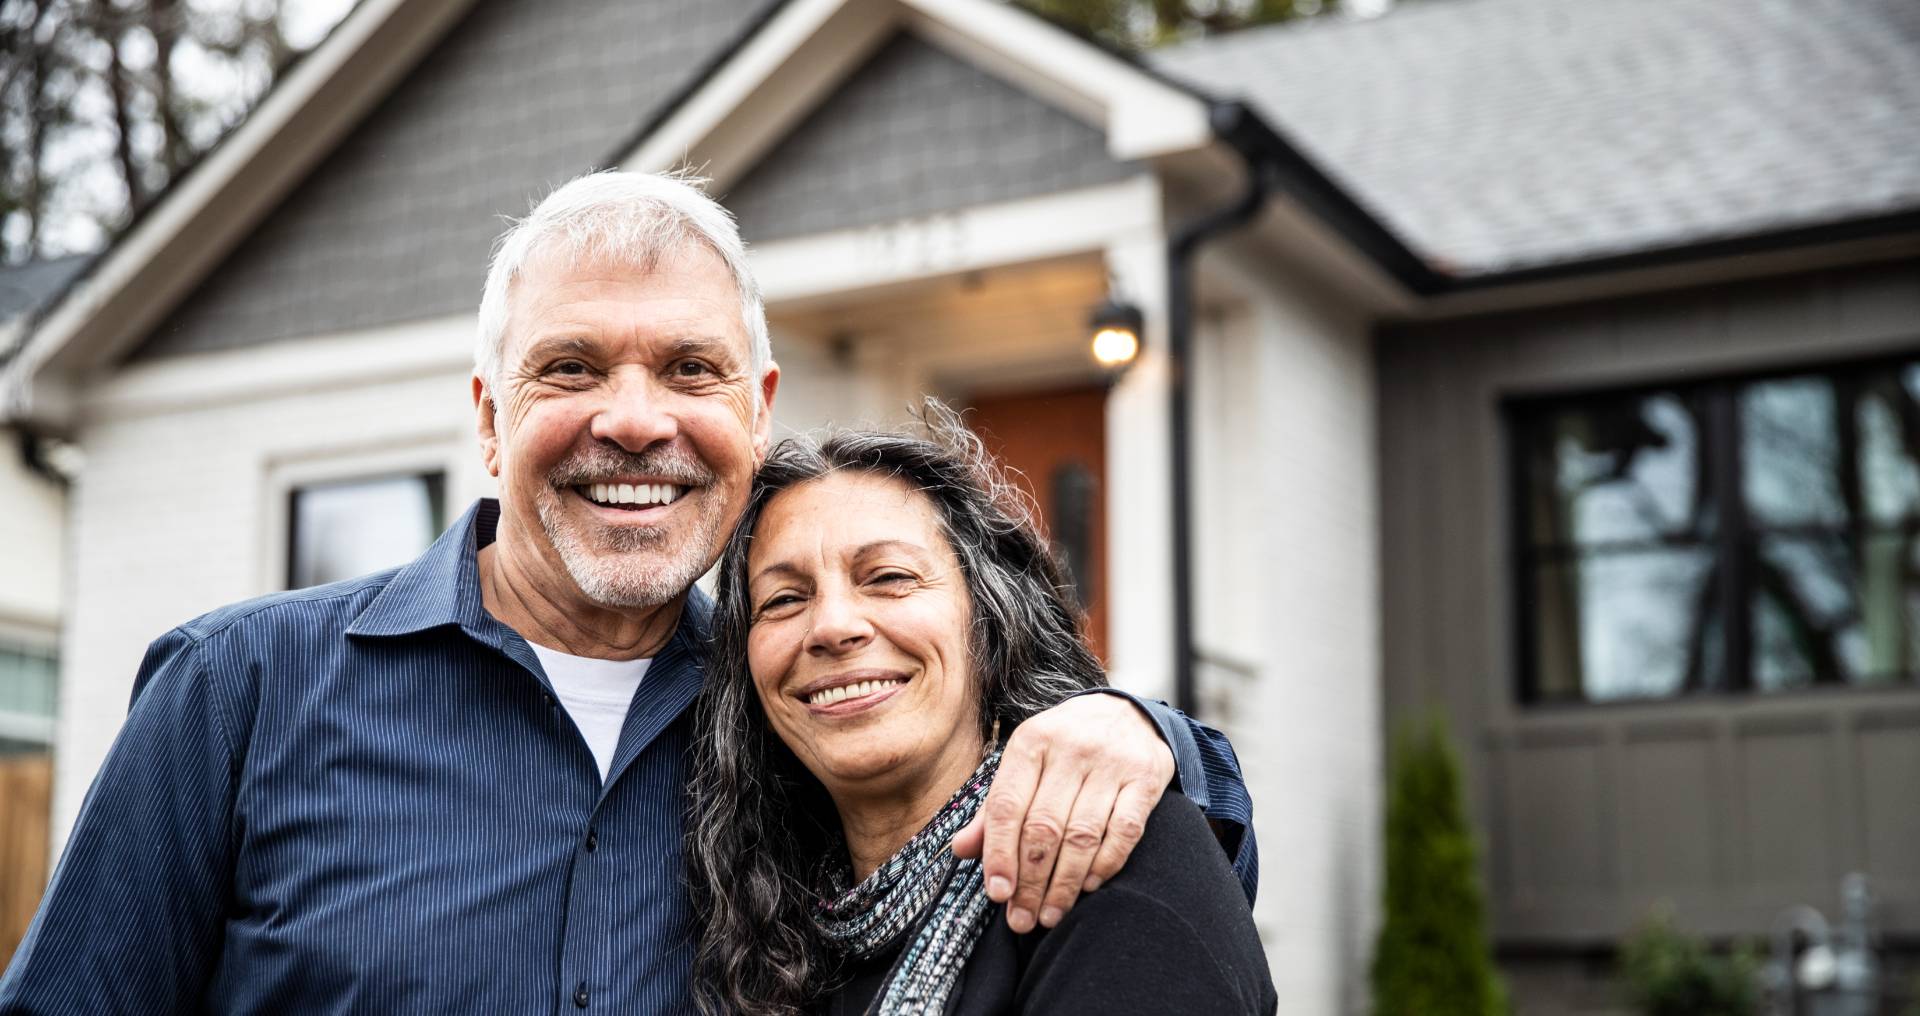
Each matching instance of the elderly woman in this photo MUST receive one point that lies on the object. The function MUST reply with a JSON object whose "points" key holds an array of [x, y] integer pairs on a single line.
{"points": [[887, 611]]}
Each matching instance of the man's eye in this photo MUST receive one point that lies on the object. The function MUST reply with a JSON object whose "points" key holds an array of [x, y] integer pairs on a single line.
{"points": [[568, 368], [691, 368]]}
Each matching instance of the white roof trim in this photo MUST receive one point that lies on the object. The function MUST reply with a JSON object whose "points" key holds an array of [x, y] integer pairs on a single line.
{"points": [[811, 46], [783, 70], [796, 271], [1145, 117], [201, 219]]}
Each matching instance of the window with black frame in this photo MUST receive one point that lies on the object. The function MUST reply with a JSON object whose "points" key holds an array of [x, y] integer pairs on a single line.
{"points": [[345, 528], [1744, 534]]}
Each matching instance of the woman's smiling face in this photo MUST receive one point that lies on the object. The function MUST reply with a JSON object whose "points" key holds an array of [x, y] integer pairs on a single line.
{"points": [[858, 638]]}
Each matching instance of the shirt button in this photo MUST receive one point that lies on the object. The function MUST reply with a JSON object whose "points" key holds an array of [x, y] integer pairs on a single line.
{"points": [[552, 702], [580, 996], [593, 841]]}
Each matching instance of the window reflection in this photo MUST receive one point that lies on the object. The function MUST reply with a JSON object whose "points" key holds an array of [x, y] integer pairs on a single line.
{"points": [[1830, 610], [1628, 625], [1637, 586], [1790, 451], [1625, 470], [346, 529]]}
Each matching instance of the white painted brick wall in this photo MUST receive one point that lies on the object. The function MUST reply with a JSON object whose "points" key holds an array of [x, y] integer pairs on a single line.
{"points": [[1289, 616], [32, 519], [172, 518]]}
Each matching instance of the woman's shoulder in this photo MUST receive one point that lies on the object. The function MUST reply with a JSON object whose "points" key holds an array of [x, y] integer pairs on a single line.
{"points": [[1173, 923], [1179, 858]]}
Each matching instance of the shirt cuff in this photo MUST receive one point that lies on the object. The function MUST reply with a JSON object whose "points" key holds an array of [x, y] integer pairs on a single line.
{"points": [[1189, 776]]}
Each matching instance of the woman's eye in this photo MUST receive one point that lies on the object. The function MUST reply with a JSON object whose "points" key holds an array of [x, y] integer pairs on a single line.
{"points": [[893, 578], [775, 603]]}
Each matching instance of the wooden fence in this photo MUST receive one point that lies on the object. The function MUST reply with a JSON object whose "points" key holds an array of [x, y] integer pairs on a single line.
{"points": [[26, 799]]}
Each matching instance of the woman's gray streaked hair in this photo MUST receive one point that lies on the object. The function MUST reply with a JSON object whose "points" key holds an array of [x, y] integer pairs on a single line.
{"points": [[760, 823], [629, 219]]}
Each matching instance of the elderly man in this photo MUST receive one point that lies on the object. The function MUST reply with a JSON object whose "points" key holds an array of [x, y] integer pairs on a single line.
{"points": [[458, 786]]}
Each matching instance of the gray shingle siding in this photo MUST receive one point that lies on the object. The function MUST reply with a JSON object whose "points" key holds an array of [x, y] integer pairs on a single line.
{"points": [[914, 132], [397, 223]]}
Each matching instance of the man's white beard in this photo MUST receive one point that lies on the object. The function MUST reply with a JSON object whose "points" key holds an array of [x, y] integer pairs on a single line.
{"points": [[610, 578], [607, 574]]}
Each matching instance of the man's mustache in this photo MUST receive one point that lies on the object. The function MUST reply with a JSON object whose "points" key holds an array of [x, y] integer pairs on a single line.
{"points": [[603, 462]]}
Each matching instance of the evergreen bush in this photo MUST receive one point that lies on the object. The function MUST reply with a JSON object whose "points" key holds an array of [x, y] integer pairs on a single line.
{"points": [[1432, 958], [1671, 973]]}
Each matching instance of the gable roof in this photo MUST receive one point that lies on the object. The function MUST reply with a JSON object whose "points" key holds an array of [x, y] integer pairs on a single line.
{"points": [[1501, 135], [913, 132], [199, 217], [28, 288], [401, 204], [397, 222], [25, 288]]}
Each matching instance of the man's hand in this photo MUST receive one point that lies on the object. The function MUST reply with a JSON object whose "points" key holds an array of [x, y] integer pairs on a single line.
{"points": [[1070, 801]]}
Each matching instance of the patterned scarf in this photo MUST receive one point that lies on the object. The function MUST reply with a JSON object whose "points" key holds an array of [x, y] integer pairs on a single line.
{"points": [[862, 920]]}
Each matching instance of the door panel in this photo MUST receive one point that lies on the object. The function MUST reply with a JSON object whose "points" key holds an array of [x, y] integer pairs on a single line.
{"points": [[1054, 445]]}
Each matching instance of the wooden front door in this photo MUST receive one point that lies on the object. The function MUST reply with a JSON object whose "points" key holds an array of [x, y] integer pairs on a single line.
{"points": [[26, 796], [1054, 444]]}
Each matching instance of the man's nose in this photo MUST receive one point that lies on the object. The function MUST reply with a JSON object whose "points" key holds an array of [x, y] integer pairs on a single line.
{"points": [[839, 626], [636, 415]]}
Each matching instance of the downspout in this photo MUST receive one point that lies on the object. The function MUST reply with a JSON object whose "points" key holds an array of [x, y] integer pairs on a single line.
{"points": [[1231, 123], [34, 454]]}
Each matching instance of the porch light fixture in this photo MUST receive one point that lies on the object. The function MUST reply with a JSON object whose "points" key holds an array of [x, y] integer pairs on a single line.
{"points": [[1116, 329]]}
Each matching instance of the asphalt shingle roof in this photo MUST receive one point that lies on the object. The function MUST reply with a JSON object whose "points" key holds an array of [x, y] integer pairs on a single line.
{"points": [[25, 288], [1502, 134]]}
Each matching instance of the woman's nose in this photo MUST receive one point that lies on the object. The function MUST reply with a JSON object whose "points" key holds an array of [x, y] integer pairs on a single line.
{"points": [[838, 624]]}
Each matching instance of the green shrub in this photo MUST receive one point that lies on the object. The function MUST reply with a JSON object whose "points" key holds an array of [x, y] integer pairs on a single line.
{"points": [[1671, 973], [1432, 958]]}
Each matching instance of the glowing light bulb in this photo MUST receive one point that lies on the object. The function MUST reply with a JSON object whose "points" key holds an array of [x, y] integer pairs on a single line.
{"points": [[1115, 347]]}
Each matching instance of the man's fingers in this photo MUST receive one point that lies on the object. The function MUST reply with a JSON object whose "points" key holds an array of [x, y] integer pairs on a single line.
{"points": [[1129, 820], [971, 837], [1004, 810], [1086, 827], [1040, 835]]}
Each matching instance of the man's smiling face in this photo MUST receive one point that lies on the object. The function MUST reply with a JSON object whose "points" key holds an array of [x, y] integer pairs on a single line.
{"points": [[627, 422]]}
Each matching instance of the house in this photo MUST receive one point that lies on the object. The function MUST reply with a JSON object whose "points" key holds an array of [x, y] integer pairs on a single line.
{"points": [[1563, 378], [31, 530], [31, 525]]}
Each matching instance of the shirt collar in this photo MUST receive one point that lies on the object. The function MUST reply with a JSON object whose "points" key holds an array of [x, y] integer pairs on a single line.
{"points": [[442, 587]]}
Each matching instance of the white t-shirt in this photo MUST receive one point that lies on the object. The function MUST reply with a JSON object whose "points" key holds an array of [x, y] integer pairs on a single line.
{"points": [[596, 694]]}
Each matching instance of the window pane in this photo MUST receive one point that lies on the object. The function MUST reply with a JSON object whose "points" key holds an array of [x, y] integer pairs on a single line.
{"points": [[27, 682], [1790, 452], [1621, 470], [1889, 421], [1627, 625], [341, 530], [1833, 610], [1831, 451]]}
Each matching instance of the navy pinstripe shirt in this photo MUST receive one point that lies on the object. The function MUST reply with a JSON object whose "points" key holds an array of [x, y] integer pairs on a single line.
{"points": [[364, 798]]}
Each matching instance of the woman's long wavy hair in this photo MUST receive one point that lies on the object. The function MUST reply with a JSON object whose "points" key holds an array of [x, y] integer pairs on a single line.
{"points": [[760, 823]]}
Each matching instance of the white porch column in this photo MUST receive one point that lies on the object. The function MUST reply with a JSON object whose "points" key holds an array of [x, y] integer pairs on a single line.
{"points": [[1139, 501]]}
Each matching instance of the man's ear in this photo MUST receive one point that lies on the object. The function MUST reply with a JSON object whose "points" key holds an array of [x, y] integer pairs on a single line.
{"points": [[487, 415], [763, 422]]}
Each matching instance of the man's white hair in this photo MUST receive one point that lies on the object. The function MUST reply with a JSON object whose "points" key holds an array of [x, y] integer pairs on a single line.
{"points": [[628, 219]]}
